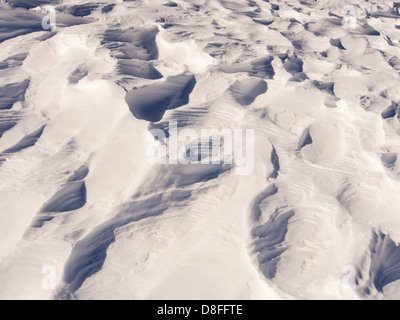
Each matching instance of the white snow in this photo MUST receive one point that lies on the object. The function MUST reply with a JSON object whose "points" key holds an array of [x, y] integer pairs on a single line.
{"points": [[84, 215]]}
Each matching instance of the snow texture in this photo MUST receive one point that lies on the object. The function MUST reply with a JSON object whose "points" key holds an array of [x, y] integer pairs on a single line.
{"points": [[317, 81]]}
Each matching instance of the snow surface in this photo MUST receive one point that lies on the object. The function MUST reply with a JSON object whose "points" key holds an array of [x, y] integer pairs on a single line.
{"points": [[79, 197]]}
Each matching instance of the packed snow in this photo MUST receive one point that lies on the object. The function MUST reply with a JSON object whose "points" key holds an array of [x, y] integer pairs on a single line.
{"points": [[87, 89]]}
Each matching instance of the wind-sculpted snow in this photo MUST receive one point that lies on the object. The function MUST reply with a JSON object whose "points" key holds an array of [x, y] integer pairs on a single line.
{"points": [[121, 129], [26, 142], [13, 61], [77, 75], [246, 91], [260, 67], [270, 245], [137, 43], [79, 174], [275, 164], [20, 21], [90, 253], [71, 197], [28, 4], [83, 10], [12, 93], [385, 256], [151, 102], [6, 125], [138, 69]]}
